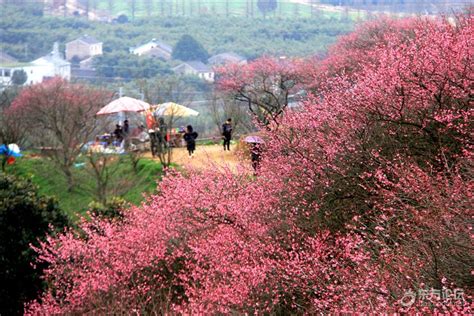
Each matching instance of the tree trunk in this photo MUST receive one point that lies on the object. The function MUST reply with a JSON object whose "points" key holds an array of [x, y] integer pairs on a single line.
{"points": [[102, 191], [4, 163], [69, 178]]}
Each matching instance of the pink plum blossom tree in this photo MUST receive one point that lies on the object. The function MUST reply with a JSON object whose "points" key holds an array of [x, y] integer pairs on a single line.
{"points": [[362, 196]]}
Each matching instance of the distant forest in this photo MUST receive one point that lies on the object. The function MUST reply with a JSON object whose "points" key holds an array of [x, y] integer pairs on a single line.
{"points": [[27, 34]]}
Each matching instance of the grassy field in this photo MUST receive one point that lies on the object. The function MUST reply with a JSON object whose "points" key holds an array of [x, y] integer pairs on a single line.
{"points": [[124, 182]]}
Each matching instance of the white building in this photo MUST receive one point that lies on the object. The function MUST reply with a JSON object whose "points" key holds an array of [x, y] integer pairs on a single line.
{"points": [[196, 68], [153, 48], [48, 66], [34, 73]]}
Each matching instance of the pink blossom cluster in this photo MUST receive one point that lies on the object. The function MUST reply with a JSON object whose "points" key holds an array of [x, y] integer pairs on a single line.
{"points": [[362, 194]]}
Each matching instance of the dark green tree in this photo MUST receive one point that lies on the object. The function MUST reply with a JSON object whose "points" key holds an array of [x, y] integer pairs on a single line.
{"points": [[188, 49], [25, 217], [128, 66], [19, 77], [266, 6], [122, 19], [75, 62]]}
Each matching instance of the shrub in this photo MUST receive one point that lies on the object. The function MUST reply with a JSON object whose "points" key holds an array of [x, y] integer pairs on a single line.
{"points": [[25, 217], [113, 209]]}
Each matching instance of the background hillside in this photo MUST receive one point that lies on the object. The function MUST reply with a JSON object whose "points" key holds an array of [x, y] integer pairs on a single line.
{"points": [[27, 33]]}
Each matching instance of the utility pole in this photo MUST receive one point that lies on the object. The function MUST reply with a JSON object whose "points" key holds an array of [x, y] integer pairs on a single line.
{"points": [[65, 8], [133, 8], [110, 4], [87, 9], [121, 115], [297, 10]]}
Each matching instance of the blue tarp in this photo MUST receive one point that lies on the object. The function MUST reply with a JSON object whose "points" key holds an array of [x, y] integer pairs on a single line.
{"points": [[4, 150]]}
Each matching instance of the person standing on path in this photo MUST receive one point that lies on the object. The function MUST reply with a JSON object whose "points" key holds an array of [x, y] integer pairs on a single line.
{"points": [[255, 152], [118, 133], [125, 135], [190, 139], [227, 133], [125, 129]]}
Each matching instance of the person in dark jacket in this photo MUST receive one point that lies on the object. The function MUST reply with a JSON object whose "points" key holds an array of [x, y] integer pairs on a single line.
{"points": [[227, 133], [125, 133], [126, 128], [256, 153], [118, 133], [190, 139]]}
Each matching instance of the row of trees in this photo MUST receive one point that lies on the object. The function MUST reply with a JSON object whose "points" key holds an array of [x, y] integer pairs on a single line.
{"points": [[249, 8], [362, 196], [253, 8]]}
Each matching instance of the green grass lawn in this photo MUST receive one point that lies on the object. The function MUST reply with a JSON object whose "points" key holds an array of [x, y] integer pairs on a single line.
{"points": [[124, 182]]}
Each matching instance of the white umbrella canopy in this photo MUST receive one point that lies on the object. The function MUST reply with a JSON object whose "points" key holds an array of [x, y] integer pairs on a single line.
{"points": [[124, 104], [174, 109], [254, 139]]}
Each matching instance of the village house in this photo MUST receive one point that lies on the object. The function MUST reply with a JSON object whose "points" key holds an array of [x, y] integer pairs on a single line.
{"points": [[7, 59], [84, 47], [226, 58], [6, 73], [48, 66], [87, 63], [54, 64], [153, 48], [85, 70], [83, 74], [7, 67], [196, 68]]}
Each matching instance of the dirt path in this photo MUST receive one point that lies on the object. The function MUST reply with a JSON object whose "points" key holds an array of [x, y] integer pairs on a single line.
{"points": [[207, 157]]}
